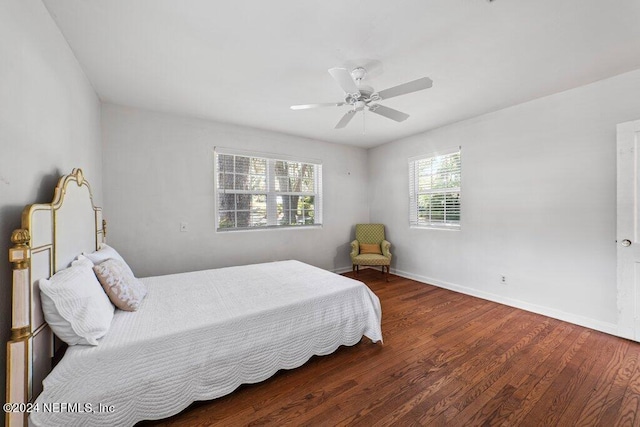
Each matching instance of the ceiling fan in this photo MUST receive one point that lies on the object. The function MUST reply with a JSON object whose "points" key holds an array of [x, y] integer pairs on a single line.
{"points": [[360, 96]]}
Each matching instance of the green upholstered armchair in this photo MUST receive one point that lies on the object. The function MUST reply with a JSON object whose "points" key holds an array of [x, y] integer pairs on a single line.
{"points": [[370, 248]]}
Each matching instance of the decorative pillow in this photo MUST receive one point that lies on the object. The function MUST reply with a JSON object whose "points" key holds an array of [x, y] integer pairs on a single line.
{"points": [[104, 253], [370, 248], [74, 304], [124, 290]]}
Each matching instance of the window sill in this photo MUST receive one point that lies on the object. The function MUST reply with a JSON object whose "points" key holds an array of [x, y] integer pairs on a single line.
{"points": [[281, 227], [436, 227]]}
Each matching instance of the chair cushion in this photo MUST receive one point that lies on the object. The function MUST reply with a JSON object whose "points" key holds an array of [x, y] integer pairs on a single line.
{"points": [[370, 248], [371, 259]]}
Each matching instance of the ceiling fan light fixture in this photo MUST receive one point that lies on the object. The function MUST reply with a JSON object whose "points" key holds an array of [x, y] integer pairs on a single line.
{"points": [[358, 74]]}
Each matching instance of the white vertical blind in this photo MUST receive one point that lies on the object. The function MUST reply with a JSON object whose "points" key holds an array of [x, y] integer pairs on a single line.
{"points": [[254, 191], [434, 190]]}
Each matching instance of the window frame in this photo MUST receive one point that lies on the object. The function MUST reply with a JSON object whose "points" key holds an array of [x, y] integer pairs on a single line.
{"points": [[414, 192], [270, 193]]}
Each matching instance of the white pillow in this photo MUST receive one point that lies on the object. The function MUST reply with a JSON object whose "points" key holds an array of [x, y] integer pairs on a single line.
{"points": [[75, 305], [104, 253]]}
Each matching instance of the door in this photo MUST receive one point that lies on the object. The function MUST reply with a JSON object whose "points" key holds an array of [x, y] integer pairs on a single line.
{"points": [[628, 238]]}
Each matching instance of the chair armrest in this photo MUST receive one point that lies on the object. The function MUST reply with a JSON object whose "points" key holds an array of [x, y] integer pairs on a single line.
{"points": [[385, 246], [355, 248]]}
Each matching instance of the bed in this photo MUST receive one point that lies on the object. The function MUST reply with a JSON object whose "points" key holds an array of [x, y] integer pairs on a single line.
{"points": [[196, 336]]}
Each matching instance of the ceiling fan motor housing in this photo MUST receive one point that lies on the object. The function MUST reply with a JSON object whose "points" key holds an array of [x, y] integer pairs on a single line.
{"points": [[366, 94]]}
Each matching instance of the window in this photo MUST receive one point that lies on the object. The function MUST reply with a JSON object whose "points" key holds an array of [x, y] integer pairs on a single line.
{"points": [[434, 190], [256, 191]]}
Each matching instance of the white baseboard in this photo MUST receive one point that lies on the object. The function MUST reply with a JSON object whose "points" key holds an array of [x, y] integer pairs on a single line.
{"points": [[609, 328], [342, 270], [350, 268]]}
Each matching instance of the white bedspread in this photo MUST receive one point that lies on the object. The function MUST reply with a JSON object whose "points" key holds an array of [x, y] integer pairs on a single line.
{"points": [[199, 335]]}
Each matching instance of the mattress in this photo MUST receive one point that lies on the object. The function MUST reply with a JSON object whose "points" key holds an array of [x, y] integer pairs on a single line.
{"points": [[199, 335]]}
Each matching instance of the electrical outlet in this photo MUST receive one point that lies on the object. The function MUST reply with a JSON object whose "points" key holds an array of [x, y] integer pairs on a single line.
{"points": [[184, 227], [503, 279]]}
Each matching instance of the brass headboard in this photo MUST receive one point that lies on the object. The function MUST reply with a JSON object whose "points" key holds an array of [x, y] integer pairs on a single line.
{"points": [[52, 235]]}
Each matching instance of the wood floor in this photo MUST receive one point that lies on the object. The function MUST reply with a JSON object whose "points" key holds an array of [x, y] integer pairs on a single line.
{"points": [[447, 359]]}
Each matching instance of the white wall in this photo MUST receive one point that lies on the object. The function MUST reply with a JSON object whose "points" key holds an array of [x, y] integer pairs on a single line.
{"points": [[158, 172], [49, 124], [538, 203]]}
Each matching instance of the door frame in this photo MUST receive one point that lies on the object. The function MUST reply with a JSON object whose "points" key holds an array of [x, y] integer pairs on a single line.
{"points": [[627, 269]]}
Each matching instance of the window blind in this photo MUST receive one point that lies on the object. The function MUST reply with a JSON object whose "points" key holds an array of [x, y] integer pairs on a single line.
{"points": [[434, 190], [254, 191]]}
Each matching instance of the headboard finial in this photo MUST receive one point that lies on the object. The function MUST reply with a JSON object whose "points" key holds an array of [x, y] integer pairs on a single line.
{"points": [[77, 173], [20, 236], [19, 254]]}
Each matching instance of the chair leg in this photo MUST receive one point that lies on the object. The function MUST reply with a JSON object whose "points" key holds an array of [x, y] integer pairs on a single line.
{"points": [[387, 276], [353, 268]]}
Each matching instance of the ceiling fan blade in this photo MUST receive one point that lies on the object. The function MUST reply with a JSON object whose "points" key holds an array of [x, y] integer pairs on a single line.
{"points": [[414, 86], [344, 79], [389, 113], [346, 119], [324, 104]]}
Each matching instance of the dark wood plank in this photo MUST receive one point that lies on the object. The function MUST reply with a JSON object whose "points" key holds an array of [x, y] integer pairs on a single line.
{"points": [[603, 350], [593, 408], [551, 406], [510, 370], [448, 359]]}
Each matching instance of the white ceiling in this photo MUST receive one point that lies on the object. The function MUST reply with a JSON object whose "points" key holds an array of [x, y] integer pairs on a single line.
{"points": [[247, 61]]}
